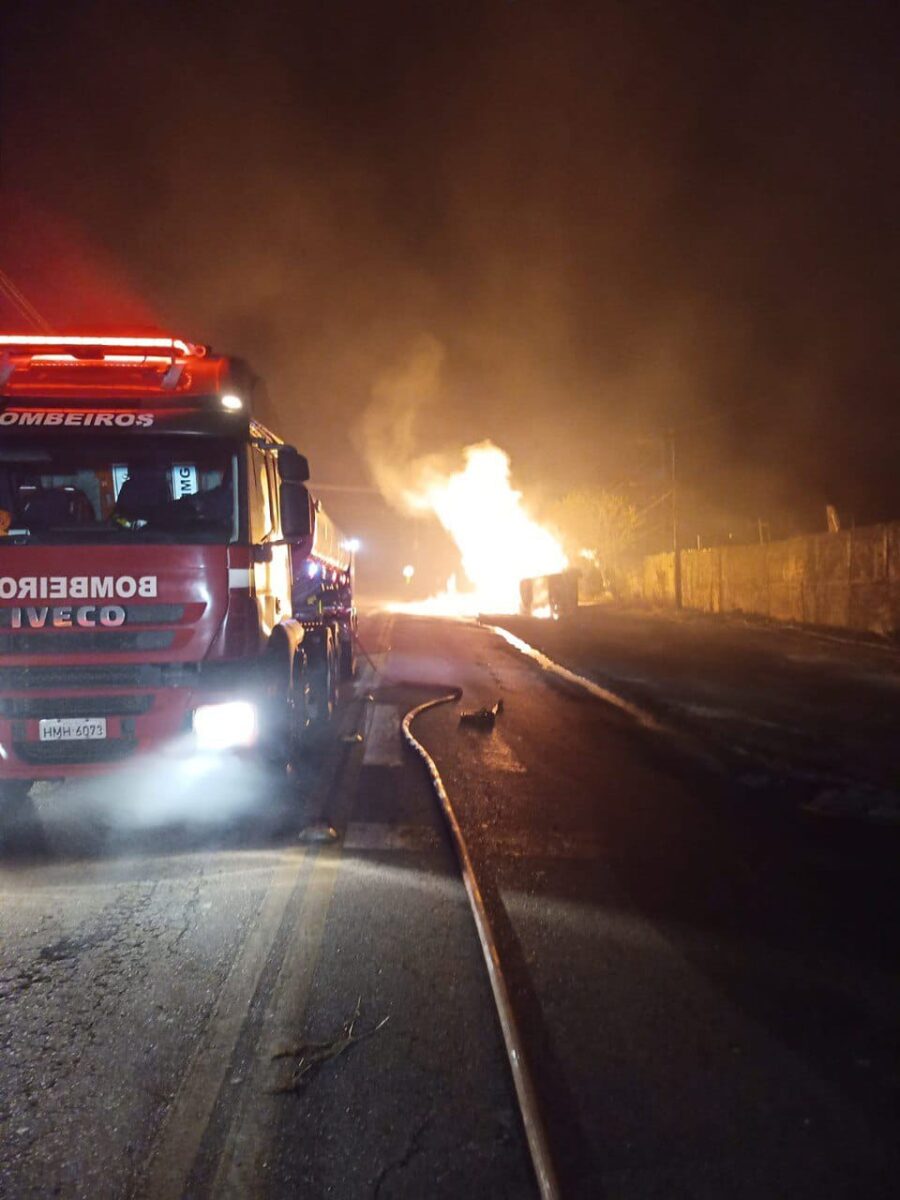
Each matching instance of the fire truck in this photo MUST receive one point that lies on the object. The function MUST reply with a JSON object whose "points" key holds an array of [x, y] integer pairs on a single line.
{"points": [[166, 576]]}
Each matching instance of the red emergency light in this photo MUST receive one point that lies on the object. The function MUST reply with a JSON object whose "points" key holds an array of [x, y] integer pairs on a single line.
{"points": [[80, 345], [48, 363]]}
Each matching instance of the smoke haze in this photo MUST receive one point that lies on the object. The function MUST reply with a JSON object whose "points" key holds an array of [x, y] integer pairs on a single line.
{"points": [[388, 434], [591, 222]]}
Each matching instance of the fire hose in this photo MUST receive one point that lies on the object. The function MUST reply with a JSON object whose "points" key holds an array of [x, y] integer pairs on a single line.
{"points": [[526, 1093]]}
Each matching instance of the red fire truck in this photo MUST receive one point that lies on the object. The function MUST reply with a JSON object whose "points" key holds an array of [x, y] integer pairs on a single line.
{"points": [[166, 577]]}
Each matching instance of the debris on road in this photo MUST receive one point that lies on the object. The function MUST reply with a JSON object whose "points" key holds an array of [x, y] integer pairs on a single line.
{"points": [[311, 1055], [482, 718], [318, 833]]}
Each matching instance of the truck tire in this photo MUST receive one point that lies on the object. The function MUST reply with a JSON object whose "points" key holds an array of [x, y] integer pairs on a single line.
{"points": [[298, 708], [323, 681], [283, 707]]}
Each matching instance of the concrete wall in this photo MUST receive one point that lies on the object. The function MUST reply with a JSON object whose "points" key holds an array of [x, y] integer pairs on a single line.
{"points": [[847, 580]]}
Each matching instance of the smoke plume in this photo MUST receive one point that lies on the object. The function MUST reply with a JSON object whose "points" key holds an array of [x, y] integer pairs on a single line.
{"points": [[387, 432]]}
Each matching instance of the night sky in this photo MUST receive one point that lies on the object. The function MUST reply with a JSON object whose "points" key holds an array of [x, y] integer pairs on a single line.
{"points": [[608, 219]]}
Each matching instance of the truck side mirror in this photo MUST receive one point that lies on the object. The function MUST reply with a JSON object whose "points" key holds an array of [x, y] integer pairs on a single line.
{"points": [[296, 511], [293, 466]]}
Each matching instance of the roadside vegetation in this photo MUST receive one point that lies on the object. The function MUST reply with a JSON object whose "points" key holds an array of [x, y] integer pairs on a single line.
{"points": [[599, 530]]}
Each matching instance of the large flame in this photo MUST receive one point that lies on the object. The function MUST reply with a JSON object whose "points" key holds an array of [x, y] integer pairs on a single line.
{"points": [[499, 543]]}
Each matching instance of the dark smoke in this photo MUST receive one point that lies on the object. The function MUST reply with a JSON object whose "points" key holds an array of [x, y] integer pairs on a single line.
{"points": [[614, 218]]}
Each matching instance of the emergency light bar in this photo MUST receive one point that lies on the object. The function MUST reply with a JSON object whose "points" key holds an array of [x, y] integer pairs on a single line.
{"points": [[53, 344], [36, 361]]}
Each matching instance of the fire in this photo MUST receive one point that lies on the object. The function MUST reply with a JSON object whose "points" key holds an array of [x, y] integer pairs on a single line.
{"points": [[499, 543]]}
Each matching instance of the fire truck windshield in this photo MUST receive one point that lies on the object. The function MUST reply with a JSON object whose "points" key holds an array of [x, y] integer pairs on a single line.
{"points": [[117, 488]]}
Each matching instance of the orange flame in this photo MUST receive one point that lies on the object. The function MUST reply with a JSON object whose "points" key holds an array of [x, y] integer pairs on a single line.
{"points": [[499, 543]]}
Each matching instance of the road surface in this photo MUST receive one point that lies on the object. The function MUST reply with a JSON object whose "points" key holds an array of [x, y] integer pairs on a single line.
{"points": [[707, 987], [805, 717]]}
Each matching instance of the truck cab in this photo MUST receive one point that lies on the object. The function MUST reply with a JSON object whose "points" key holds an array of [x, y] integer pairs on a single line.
{"points": [[166, 577]]}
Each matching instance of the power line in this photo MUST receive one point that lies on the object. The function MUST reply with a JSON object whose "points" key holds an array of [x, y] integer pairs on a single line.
{"points": [[20, 301]]}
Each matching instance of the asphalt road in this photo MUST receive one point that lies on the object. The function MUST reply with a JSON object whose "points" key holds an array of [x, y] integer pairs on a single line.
{"points": [[808, 717], [707, 986]]}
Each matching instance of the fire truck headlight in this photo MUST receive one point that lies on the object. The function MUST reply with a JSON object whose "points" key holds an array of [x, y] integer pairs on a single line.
{"points": [[228, 726]]}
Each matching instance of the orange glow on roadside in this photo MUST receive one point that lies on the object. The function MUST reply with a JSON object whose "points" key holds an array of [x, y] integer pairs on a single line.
{"points": [[499, 543]]}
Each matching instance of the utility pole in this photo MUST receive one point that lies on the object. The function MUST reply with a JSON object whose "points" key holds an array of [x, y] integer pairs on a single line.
{"points": [[676, 547]]}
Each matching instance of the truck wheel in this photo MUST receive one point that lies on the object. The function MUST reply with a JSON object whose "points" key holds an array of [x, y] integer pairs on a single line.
{"points": [[283, 709], [322, 674], [299, 709]]}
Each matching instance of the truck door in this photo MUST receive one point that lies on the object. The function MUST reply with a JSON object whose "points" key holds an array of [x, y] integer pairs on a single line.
{"points": [[271, 571]]}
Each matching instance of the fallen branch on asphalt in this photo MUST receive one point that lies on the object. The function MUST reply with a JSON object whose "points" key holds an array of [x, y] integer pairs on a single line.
{"points": [[311, 1055]]}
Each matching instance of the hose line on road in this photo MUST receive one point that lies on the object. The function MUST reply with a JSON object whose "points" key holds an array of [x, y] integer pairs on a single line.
{"points": [[535, 1130]]}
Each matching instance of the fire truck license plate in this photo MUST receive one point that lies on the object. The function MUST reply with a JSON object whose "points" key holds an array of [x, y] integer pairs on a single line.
{"points": [[72, 729]]}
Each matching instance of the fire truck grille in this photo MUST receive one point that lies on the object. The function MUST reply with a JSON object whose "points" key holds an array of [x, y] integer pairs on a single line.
{"points": [[73, 641], [46, 753], [98, 675], [154, 614], [36, 707]]}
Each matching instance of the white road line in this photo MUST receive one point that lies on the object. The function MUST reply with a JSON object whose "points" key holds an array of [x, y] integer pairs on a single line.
{"points": [[554, 668], [243, 1167], [383, 745], [181, 1134]]}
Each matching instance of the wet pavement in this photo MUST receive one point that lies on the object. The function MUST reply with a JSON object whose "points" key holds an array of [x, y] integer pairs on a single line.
{"points": [[810, 715], [707, 987]]}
